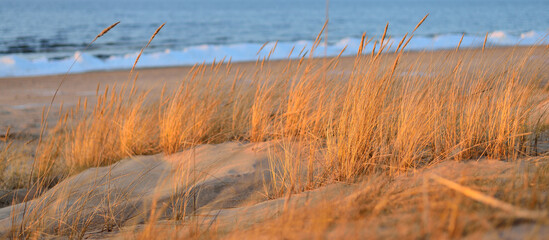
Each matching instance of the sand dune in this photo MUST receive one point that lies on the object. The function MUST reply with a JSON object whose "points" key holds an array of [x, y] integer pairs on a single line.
{"points": [[223, 184], [227, 175]]}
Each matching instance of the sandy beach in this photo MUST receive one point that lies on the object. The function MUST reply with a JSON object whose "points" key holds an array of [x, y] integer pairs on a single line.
{"points": [[406, 158], [22, 98]]}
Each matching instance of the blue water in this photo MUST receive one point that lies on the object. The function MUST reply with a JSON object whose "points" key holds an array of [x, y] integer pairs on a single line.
{"points": [[56, 29]]}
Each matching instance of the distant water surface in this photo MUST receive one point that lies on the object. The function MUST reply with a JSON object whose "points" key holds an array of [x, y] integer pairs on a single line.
{"points": [[56, 29]]}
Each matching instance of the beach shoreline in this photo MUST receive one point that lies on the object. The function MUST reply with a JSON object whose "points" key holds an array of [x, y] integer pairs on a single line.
{"points": [[22, 98]]}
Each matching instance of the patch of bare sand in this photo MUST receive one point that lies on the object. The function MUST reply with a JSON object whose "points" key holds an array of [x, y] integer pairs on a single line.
{"points": [[209, 176]]}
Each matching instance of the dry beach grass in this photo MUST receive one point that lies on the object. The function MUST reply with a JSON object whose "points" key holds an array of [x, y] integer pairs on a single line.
{"points": [[405, 138]]}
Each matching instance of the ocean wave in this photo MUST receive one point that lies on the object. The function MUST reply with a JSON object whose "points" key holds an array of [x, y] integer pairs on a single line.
{"points": [[14, 65]]}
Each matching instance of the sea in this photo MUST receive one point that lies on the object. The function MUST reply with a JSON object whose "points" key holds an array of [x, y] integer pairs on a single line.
{"points": [[44, 37]]}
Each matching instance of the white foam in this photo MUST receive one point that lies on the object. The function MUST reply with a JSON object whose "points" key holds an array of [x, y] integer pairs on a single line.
{"points": [[12, 65], [497, 35]]}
